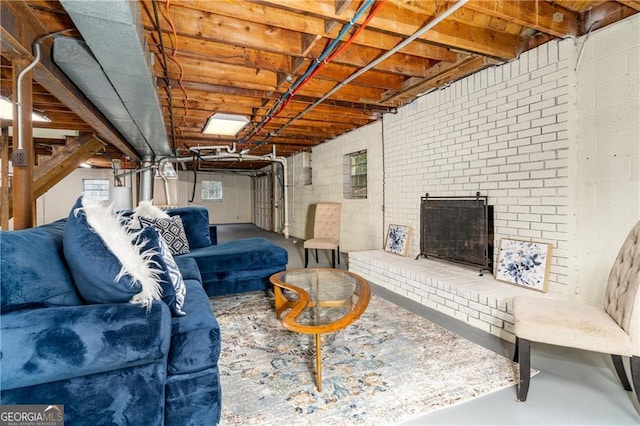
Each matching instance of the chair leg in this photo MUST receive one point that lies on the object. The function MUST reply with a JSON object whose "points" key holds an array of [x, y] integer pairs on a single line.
{"points": [[515, 352], [317, 258], [635, 375], [306, 257], [338, 252], [524, 356], [622, 374], [333, 259]]}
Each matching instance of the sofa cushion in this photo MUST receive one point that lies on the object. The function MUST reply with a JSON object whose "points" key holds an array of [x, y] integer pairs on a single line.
{"points": [[107, 267], [238, 265], [33, 269], [196, 224], [188, 268], [52, 344], [195, 338], [171, 230], [230, 282], [244, 254]]}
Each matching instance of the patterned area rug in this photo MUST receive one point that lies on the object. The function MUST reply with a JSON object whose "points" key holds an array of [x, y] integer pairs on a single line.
{"points": [[387, 367]]}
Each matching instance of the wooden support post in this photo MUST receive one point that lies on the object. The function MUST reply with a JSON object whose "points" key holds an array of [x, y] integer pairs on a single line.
{"points": [[4, 182], [23, 202]]}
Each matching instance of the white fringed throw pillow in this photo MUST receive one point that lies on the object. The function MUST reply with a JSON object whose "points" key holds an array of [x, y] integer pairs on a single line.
{"points": [[136, 263]]}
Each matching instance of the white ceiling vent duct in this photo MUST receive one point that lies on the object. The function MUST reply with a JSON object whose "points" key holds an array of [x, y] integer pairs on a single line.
{"points": [[116, 48]]}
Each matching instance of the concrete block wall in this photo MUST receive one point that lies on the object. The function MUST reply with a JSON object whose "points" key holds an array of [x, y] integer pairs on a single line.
{"points": [[361, 226], [503, 132], [607, 154]]}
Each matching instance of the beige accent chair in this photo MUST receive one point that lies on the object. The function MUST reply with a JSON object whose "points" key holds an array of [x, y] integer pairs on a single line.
{"points": [[326, 232], [613, 329]]}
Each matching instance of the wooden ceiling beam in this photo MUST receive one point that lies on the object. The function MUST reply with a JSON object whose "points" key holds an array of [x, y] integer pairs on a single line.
{"points": [[540, 15], [210, 87], [268, 15], [208, 27], [633, 4], [453, 32], [64, 161], [19, 28], [604, 14]]}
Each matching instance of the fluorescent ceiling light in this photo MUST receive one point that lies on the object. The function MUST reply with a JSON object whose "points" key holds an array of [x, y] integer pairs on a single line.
{"points": [[40, 132], [85, 165], [6, 112], [225, 124]]}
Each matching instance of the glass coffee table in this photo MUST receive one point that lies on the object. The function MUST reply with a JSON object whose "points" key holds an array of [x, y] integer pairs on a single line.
{"points": [[317, 301]]}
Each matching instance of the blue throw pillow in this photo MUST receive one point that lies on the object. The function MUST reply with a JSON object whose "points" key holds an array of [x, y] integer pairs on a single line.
{"points": [[33, 271], [107, 264], [196, 224]]}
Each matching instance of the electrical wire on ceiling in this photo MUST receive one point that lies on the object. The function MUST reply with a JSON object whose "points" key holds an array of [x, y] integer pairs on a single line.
{"points": [[325, 57], [165, 68], [174, 58], [369, 66]]}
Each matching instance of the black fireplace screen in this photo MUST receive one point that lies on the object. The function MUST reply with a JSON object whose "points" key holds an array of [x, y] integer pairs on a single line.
{"points": [[458, 229]]}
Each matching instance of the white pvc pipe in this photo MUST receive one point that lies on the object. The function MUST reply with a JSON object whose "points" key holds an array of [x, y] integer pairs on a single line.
{"points": [[225, 156]]}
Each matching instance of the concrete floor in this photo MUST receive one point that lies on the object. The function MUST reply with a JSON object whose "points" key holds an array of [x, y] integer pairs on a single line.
{"points": [[573, 387]]}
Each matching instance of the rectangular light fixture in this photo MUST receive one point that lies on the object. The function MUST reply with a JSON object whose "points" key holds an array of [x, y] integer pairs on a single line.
{"points": [[6, 112], [225, 124]]}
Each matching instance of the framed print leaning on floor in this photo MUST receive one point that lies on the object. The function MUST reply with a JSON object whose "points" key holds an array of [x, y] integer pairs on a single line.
{"points": [[397, 239], [524, 263]]}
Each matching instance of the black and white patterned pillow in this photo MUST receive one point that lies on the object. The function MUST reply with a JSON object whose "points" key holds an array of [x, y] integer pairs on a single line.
{"points": [[172, 231], [176, 277]]}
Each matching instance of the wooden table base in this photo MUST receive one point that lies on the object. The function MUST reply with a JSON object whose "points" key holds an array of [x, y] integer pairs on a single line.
{"points": [[318, 363]]}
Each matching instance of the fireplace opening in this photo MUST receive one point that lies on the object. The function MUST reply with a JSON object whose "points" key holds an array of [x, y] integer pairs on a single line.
{"points": [[457, 229]]}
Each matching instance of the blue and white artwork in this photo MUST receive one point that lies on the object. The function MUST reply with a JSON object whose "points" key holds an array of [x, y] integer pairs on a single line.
{"points": [[397, 239], [524, 263]]}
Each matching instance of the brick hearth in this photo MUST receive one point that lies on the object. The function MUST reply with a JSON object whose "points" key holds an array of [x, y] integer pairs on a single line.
{"points": [[454, 290]]}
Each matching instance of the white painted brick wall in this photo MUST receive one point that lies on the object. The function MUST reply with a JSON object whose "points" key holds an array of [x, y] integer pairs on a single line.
{"points": [[505, 137]]}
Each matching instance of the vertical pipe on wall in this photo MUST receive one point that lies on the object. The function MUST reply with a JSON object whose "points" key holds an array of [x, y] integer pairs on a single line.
{"points": [[4, 183], [23, 203], [146, 179]]}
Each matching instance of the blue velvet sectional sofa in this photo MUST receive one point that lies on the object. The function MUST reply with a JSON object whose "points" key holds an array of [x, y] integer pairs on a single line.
{"points": [[119, 363]]}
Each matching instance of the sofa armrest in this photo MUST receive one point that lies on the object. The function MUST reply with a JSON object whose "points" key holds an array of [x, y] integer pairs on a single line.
{"points": [[49, 344], [213, 234], [188, 268]]}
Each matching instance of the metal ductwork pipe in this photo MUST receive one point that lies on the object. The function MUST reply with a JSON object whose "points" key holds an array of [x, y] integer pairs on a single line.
{"points": [[146, 179]]}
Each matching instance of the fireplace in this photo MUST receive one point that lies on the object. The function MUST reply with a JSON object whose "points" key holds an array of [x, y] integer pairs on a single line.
{"points": [[457, 229]]}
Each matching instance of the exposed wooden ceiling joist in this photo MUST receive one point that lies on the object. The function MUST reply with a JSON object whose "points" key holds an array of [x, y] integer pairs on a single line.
{"points": [[242, 57]]}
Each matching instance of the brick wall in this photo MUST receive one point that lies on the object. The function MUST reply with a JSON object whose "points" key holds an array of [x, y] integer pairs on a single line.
{"points": [[503, 132], [554, 143]]}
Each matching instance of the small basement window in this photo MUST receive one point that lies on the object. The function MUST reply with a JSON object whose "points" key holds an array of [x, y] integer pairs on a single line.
{"points": [[97, 189], [355, 175], [211, 190]]}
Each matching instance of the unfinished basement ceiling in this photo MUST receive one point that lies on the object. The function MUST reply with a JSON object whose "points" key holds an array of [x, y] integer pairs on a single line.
{"points": [[248, 57]]}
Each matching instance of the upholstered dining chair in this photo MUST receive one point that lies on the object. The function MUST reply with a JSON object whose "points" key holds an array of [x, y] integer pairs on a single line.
{"points": [[612, 329], [326, 232]]}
